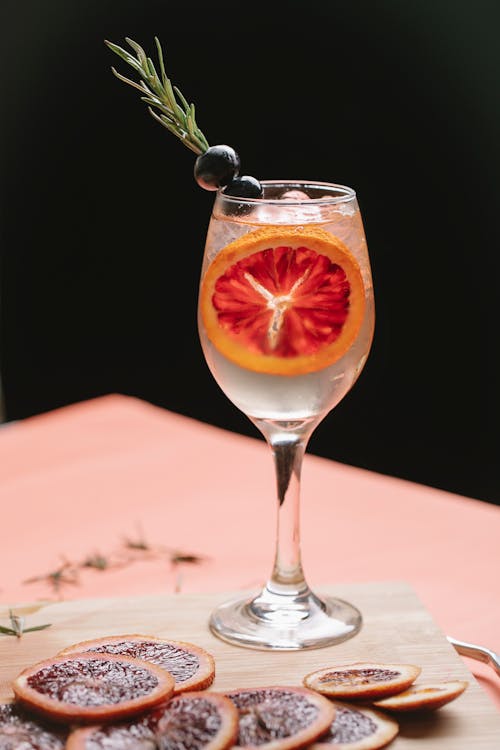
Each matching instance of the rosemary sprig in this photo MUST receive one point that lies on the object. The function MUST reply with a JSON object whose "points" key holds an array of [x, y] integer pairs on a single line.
{"points": [[132, 549], [64, 575], [100, 562], [139, 544], [96, 561], [175, 113], [18, 628]]}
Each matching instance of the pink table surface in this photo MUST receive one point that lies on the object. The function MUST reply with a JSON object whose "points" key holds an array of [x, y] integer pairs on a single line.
{"points": [[79, 481]]}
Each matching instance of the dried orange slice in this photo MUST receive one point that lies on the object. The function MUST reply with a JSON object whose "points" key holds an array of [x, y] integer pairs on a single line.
{"points": [[362, 679], [283, 300], [357, 728], [192, 667], [19, 731], [195, 720], [428, 696], [92, 687], [280, 718]]}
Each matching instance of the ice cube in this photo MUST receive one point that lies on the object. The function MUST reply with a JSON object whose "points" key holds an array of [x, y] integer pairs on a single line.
{"points": [[288, 213], [295, 195]]}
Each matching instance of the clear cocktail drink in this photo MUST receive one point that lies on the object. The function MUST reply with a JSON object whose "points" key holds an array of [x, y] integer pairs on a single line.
{"points": [[301, 396]]}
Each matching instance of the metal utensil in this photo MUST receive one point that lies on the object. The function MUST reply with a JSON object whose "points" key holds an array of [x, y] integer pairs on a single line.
{"points": [[479, 653]]}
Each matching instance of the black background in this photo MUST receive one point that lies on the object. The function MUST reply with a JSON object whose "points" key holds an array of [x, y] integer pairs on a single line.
{"points": [[103, 226]]}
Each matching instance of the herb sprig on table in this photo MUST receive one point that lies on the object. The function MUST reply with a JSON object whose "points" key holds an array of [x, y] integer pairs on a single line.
{"points": [[65, 574], [18, 626], [133, 549]]}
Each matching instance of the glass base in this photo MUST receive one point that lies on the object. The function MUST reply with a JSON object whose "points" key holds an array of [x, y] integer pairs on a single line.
{"points": [[285, 623]]}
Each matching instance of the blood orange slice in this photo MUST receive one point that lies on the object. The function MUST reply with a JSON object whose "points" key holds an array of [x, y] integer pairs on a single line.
{"points": [[283, 300], [428, 696], [362, 680], [357, 728], [280, 718], [19, 731], [192, 667], [92, 687], [195, 720]]}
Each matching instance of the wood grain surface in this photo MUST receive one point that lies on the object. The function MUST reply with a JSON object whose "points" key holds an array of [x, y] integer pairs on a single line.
{"points": [[396, 628]]}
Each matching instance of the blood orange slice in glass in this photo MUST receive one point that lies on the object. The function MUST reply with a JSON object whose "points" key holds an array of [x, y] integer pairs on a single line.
{"points": [[89, 687], [191, 666], [280, 718], [283, 300], [195, 720]]}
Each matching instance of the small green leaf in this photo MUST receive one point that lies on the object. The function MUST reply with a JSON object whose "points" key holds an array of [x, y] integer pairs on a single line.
{"points": [[160, 59], [141, 55], [7, 631], [124, 55], [127, 80], [38, 627]]}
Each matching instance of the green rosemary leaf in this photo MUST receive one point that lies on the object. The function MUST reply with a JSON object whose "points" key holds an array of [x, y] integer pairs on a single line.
{"points": [[127, 80], [7, 631], [189, 122], [181, 134], [37, 627], [164, 120], [168, 123], [124, 55], [184, 103], [152, 72], [20, 630], [141, 55], [180, 557], [160, 60], [176, 110], [164, 110], [197, 134], [155, 102]]}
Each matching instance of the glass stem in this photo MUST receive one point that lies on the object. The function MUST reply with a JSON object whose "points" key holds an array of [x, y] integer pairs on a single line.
{"points": [[288, 442], [287, 575]]}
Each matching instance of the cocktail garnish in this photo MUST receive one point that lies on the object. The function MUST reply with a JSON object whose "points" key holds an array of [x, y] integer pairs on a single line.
{"points": [[215, 166], [283, 302]]}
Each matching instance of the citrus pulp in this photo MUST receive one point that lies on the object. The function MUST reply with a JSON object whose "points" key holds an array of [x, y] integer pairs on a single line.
{"points": [[283, 300], [92, 687], [280, 718], [191, 666], [194, 720]]}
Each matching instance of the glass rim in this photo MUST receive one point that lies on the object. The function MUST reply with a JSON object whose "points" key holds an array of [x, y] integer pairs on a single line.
{"points": [[347, 193]]}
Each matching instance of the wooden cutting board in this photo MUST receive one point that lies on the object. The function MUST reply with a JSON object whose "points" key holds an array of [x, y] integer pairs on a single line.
{"points": [[396, 628]]}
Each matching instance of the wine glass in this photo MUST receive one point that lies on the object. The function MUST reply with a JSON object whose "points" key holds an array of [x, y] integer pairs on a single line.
{"points": [[286, 318]]}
